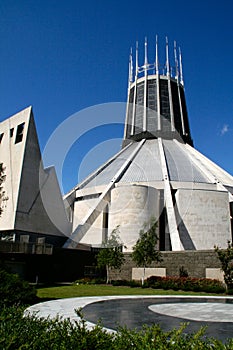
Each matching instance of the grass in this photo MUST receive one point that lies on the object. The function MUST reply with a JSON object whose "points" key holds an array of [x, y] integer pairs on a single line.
{"points": [[86, 290]]}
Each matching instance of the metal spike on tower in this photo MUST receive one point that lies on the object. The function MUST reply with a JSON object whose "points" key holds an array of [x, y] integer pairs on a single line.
{"points": [[156, 99], [157, 173]]}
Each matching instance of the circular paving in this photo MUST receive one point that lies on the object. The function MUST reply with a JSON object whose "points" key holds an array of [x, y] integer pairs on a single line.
{"points": [[207, 312], [215, 313]]}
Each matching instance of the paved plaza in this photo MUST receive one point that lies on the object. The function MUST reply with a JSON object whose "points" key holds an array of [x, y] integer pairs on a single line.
{"points": [[216, 313]]}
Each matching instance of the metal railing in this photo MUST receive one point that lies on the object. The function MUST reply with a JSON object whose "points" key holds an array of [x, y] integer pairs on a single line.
{"points": [[25, 248]]}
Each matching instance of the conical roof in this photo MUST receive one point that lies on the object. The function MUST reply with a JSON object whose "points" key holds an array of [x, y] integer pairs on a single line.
{"points": [[158, 167], [184, 163]]}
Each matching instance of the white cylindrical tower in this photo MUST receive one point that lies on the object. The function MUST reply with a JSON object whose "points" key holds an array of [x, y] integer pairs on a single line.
{"points": [[131, 207]]}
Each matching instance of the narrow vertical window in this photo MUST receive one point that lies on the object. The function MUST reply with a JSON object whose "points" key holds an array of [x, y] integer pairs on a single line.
{"points": [[11, 132], [19, 133], [1, 136]]}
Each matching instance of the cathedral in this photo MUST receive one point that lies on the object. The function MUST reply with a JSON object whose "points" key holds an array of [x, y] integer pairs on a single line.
{"points": [[157, 174]]}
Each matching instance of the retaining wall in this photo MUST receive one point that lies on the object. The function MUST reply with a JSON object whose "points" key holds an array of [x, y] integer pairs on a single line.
{"points": [[195, 262]]}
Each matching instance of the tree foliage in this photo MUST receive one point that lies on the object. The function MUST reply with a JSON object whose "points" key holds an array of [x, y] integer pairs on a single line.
{"points": [[111, 255], [226, 258], [145, 250]]}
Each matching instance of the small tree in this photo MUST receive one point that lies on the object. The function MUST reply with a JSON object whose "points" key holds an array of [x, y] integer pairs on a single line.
{"points": [[111, 255], [145, 250], [226, 258]]}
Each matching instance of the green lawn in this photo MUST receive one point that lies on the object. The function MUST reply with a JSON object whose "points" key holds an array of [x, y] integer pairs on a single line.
{"points": [[85, 290]]}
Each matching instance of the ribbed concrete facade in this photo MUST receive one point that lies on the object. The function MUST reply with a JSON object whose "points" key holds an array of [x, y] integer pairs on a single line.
{"points": [[157, 173]]}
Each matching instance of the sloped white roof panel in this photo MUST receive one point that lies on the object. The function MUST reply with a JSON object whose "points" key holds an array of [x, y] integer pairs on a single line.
{"points": [[146, 165], [105, 176], [180, 165]]}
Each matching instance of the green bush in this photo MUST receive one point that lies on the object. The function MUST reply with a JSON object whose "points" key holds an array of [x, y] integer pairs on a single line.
{"points": [[186, 284], [177, 283], [13, 290], [183, 272], [132, 283], [226, 258], [230, 291], [117, 283], [18, 332], [30, 332], [85, 280], [88, 280]]}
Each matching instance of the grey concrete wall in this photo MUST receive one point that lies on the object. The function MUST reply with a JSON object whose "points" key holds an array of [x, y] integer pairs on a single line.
{"points": [[131, 207], [11, 155], [195, 262], [94, 235], [34, 203], [203, 218]]}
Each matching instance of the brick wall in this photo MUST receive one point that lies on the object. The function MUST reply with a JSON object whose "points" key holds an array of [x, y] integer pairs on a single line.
{"points": [[195, 262]]}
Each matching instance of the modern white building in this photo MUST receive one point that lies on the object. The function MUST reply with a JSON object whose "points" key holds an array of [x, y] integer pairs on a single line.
{"points": [[157, 173], [24, 217]]}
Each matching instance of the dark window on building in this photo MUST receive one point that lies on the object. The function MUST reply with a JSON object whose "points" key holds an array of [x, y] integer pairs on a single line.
{"points": [[89, 196], [1, 136], [185, 114], [130, 113], [19, 133], [11, 132], [164, 99], [152, 119], [139, 108], [176, 107]]}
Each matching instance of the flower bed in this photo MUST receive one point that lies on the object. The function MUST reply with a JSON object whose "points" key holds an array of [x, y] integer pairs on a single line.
{"points": [[186, 283]]}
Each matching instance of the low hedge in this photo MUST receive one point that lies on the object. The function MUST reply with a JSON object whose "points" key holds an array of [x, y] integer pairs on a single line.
{"points": [[88, 280], [132, 283], [29, 332], [186, 284], [177, 283]]}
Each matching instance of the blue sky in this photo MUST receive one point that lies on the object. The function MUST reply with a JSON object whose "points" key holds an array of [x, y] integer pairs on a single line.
{"points": [[64, 56]]}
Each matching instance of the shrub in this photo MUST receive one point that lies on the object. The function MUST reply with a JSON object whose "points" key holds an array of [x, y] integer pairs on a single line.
{"points": [[229, 291], [117, 283], [18, 332], [98, 281], [134, 284], [30, 332], [186, 283], [14, 290], [131, 283], [183, 272], [88, 280], [226, 258]]}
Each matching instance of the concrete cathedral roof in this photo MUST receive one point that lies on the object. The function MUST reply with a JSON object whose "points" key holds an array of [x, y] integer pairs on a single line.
{"points": [[184, 163]]}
